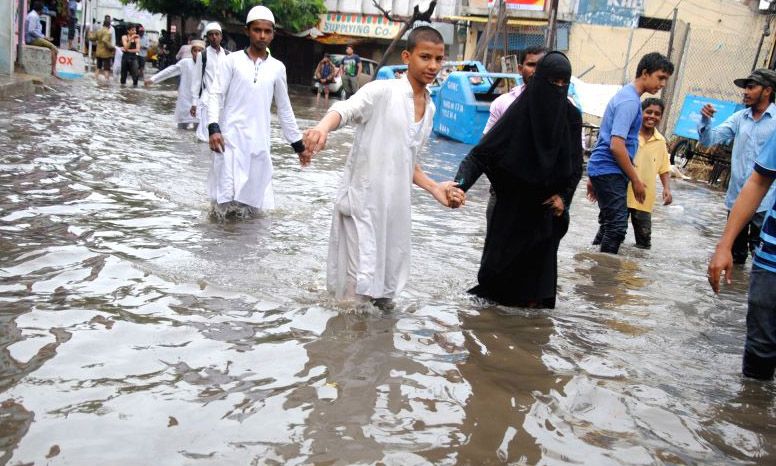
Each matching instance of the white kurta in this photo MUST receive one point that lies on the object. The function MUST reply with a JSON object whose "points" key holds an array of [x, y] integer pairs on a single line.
{"points": [[373, 201], [239, 101], [211, 67], [187, 70]]}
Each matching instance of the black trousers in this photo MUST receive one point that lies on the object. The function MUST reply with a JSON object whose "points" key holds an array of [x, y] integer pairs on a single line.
{"points": [[129, 65], [642, 227]]}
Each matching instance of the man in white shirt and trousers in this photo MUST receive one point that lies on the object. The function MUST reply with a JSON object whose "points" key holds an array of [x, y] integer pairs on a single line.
{"points": [[189, 71], [239, 121], [213, 54]]}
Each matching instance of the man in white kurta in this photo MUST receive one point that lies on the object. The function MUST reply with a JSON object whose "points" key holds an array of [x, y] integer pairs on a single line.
{"points": [[187, 69], [210, 59], [369, 247], [239, 110], [370, 234]]}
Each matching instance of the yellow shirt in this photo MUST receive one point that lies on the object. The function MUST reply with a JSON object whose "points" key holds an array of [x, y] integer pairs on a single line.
{"points": [[651, 160]]}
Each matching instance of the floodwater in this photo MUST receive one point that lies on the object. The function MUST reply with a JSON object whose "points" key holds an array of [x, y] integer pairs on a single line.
{"points": [[136, 330]]}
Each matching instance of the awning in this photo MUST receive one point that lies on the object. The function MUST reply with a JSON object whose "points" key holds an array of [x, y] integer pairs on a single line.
{"points": [[510, 22]]}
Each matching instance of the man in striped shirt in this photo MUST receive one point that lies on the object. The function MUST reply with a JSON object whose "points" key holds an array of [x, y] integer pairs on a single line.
{"points": [[760, 347]]}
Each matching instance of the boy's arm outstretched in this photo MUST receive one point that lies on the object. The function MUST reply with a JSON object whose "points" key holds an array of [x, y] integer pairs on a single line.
{"points": [[315, 137], [447, 193], [356, 110]]}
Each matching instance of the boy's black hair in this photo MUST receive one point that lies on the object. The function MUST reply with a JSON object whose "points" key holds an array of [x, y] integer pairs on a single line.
{"points": [[37, 5], [423, 34], [652, 62], [533, 50], [653, 101]]}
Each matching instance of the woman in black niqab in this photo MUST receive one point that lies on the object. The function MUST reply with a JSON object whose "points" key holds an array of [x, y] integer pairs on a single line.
{"points": [[533, 159]]}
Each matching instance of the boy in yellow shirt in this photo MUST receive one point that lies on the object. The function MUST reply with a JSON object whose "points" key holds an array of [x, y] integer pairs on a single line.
{"points": [[651, 160]]}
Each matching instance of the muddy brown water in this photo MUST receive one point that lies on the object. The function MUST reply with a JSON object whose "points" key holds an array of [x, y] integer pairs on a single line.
{"points": [[135, 330]]}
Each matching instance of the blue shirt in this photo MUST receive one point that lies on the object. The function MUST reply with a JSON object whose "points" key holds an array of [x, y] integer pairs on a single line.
{"points": [[750, 137], [34, 30], [765, 255], [622, 118]]}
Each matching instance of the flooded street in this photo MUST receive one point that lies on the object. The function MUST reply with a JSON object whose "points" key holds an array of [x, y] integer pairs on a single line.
{"points": [[135, 330]]}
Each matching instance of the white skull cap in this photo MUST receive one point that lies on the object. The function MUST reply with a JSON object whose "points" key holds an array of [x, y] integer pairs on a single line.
{"points": [[260, 12], [212, 27]]}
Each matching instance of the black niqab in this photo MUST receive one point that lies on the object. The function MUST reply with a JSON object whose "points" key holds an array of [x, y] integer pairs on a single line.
{"points": [[532, 139]]}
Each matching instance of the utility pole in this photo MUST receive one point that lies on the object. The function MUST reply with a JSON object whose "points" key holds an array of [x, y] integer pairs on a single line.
{"points": [[766, 33], [552, 25], [673, 34]]}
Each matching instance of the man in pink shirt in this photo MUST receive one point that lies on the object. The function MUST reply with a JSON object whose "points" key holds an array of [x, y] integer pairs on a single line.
{"points": [[526, 67]]}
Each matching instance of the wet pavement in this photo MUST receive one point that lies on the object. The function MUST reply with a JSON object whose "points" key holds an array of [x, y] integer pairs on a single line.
{"points": [[135, 330]]}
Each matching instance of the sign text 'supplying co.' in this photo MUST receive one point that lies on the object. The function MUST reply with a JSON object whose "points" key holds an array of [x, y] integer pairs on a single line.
{"points": [[359, 25]]}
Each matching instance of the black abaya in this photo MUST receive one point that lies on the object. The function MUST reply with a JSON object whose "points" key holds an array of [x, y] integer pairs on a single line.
{"points": [[531, 154]]}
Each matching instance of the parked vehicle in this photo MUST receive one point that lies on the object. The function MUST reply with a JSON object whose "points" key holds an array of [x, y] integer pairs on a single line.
{"points": [[463, 103], [368, 68], [396, 71]]}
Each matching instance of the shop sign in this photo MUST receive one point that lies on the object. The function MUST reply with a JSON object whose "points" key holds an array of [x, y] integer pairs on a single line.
{"points": [[359, 25], [531, 5], [70, 64]]}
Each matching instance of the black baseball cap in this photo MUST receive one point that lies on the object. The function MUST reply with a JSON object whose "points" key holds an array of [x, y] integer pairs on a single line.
{"points": [[761, 76]]}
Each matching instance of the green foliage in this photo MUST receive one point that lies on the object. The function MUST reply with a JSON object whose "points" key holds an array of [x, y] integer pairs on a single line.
{"points": [[292, 15], [296, 15]]}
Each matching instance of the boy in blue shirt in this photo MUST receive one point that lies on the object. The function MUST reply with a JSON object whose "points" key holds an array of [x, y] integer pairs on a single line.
{"points": [[611, 163], [760, 347]]}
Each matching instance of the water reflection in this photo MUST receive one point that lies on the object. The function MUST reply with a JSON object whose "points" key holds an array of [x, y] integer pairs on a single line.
{"points": [[505, 371], [134, 330]]}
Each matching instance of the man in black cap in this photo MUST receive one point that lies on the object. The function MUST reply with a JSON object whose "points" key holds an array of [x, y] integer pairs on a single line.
{"points": [[749, 128]]}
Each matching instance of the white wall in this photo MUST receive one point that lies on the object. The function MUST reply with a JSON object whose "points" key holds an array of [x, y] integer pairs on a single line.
{"points": [[114, 8], [8, 13]]}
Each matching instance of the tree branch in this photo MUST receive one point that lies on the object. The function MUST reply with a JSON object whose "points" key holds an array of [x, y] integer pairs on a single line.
{"points": [[386, 13], [406, 26]]}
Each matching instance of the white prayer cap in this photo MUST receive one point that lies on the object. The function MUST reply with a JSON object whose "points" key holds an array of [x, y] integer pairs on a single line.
{"points": [[198, 43], [260, 12], [212, 27]]}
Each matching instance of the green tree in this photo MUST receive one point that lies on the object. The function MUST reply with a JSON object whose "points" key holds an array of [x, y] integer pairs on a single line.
{"points": [[292, 15]]}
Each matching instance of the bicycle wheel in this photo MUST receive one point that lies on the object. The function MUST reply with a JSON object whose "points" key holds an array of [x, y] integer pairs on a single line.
{"points": [[681, 154]]}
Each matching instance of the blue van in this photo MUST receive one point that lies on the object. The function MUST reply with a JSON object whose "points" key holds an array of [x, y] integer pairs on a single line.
{"points": [[463, 103], [396, 71]]}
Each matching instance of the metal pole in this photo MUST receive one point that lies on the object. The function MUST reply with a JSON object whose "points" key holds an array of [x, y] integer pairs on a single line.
{"points": [[504, 30], [677, 87], [552, 25], [627, 58], [766, 32], [22, 15], [673, 32]]}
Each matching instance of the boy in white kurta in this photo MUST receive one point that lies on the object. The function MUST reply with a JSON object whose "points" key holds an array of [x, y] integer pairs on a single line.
{"points": [[187, 70], [369, 248], [239, 119], [208, 66]]}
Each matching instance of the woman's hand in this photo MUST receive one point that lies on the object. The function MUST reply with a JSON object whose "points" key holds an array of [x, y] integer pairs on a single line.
{"points": [[555, 203], [448, 194]]}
